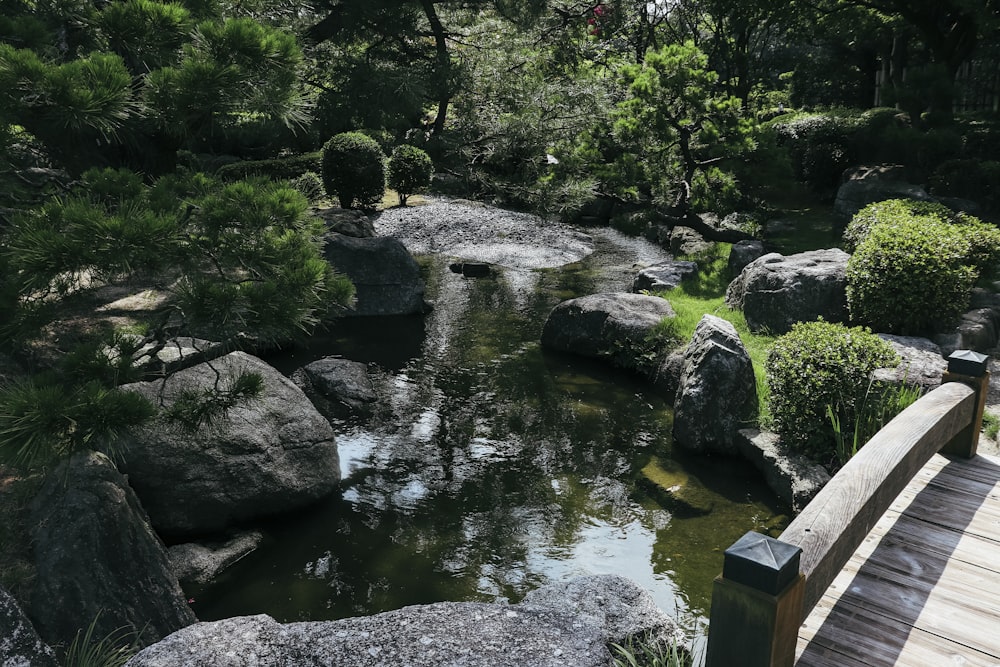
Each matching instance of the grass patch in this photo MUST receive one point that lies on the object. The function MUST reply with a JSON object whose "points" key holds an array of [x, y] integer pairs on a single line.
{"points": [[705, 293]]}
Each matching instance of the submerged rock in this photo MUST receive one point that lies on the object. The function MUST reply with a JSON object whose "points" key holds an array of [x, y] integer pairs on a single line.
{"points": [[263, 456], [200, 563], [717, 394], [97, 557], [793, 477], [564, 625], [616, 327]]}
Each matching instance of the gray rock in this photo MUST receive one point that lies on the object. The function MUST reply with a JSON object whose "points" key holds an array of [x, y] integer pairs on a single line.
{"points": [[686, 241], [793, 478], [95, 553], [568, 630], [665, 276], [866, 185], [717, 394], [348, 222], [178, 353], [774, 292], [200, 563], [668, 376], [611, 326], [976, 330], [921, 362], [10, 370], [385, 276], [331, 382], [742, 254], [20, 645], [264, 456], [471, 269]]}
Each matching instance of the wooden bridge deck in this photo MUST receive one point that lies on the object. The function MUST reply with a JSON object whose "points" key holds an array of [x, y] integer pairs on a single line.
{"points": [[924, 586]]}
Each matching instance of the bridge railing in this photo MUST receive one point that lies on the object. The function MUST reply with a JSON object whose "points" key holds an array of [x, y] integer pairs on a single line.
{"points": [[768, 586]]}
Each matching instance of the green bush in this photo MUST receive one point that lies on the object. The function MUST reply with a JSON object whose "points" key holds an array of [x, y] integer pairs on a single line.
{"points": [[910, 274], [310, 185], [354, 170], [815, 365], [820, 146], [889, 211], [278, 169], [410, 170], [978, 180]]}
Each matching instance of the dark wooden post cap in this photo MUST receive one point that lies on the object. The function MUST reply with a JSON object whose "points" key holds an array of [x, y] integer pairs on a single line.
{"points": [[968, 362], [761, 562]]}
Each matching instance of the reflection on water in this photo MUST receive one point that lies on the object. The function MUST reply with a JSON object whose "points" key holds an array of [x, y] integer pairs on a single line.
{"points": [[493, 467]]}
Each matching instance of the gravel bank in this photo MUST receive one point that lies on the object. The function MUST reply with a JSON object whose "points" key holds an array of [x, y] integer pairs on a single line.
{"points": [[471, 231]]}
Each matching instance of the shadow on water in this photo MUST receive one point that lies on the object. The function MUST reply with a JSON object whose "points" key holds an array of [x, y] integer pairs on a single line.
{"points": [[493, 467]]}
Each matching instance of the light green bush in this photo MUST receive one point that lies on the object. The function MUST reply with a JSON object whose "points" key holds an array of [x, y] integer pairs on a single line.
{"points": [[815, 365], [911, 274], [410, 171], [354, 170], [890, 211]]}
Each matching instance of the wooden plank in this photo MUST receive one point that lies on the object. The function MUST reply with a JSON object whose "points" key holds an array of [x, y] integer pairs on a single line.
{"points": [[831, 527], [850, 635], [968, 547], [962, 512]]}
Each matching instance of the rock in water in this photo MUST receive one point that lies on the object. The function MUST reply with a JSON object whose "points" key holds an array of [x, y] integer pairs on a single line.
{"points": [[97, 557], [264, 456], [385, 276]]}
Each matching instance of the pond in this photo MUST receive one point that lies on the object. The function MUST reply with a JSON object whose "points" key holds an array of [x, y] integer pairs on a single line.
{"points": [[493, 467]]}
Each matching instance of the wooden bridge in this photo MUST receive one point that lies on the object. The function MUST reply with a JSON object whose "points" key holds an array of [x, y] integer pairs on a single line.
{"points": [[895, 562]]}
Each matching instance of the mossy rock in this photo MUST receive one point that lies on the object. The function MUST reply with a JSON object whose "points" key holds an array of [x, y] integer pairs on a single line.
{"points": [[674, 489]]}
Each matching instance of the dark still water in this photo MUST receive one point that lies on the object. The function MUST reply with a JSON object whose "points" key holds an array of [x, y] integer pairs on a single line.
{"points": [[493, 467]]}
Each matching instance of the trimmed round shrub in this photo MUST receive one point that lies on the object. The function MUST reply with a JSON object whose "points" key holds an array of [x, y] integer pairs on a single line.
{"points": [[815, 365], [909, 275], [410, 171], [354, 170], [890, 211]]}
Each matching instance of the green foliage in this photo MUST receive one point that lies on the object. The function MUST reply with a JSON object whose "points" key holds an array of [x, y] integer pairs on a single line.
{"points": [[113, 650], [354, 170], [650, 651], [43, 420], [909, 275], [194, 409], [310, 185], [991, 425], [978, 180], [409, 171], [820, 146], [675, 124], [880, 404], [283, 168], [147, 35], [890, 211], [815, 365]]}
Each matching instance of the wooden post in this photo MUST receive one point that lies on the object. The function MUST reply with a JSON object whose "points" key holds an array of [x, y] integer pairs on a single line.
{"points": [[971, 369], [756, 605]]}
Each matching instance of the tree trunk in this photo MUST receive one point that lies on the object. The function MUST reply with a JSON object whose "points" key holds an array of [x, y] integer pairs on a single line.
{"points": [[443, 66]]}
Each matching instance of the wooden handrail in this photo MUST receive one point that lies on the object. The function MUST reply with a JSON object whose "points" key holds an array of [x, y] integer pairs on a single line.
{"points": [[768, 587], [832, 526]]}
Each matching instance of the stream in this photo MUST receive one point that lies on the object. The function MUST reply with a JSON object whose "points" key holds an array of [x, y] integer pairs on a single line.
{"points": [[492, 467]]}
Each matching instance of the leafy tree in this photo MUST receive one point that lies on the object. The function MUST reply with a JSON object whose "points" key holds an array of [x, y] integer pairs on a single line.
{"points": [[675, 124], [409, 171]]}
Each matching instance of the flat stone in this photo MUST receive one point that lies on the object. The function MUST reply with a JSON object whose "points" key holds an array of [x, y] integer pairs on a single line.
{"points": [[201, 563], [793, 478]]}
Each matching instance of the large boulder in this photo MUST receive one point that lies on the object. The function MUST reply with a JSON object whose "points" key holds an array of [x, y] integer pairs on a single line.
{"points": [[347, 221], [869, 184], [977, 329], [385, 276], [20, 645], [717, 394], [663, 276], [613, 326], [570, 626], [97, 557], [263, 456], [774, 291]]}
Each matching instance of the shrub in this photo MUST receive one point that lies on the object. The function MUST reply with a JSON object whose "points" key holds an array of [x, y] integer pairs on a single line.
{"points": [[820, 147], [815, 365], [285, 168], [354, 170], [909, 274], [410, 170], [889, 211], [310, 185]]}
